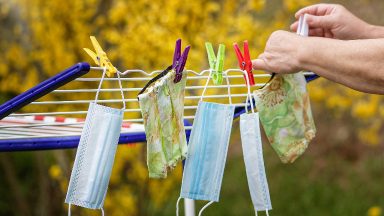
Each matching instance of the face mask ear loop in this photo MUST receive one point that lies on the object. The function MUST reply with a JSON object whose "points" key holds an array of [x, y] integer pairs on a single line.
{"points": [[102, 212], [121, 90], [246, 104], [229, 89], [177, 206], [206, 84], [101, 81], [69, 209], [202, 209], [249, 95], [266, 211]]}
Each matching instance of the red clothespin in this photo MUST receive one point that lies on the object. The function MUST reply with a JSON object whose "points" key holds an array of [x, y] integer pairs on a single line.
{"points": [[245, 62]]}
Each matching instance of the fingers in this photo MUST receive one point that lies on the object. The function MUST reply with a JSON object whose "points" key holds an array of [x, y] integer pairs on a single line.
{"points": [[328, 34], [319, 21], [317, 10], [294, 26], [316, 32], [259, 64]]}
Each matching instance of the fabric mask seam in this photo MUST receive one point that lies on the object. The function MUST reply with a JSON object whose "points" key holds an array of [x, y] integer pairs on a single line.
{"points": [[164, 166]]}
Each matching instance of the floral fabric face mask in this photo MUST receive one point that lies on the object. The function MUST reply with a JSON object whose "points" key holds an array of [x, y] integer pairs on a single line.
{"points": [[286, 115], [162, 107]]}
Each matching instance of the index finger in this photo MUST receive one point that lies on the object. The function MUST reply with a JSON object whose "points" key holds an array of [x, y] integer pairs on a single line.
{"points": [[294, 26], [317, 10]]}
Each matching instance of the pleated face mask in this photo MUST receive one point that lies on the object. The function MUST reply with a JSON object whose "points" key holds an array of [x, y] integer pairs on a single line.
{"points": [[207, 152], [95, 155], [286, 115], [253, 158], [162, 108]]}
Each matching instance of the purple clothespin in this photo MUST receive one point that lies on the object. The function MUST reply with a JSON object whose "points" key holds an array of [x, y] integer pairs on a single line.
{"points": [[179, 61]]}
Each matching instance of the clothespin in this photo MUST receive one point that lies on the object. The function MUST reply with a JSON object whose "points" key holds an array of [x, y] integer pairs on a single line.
{"points": [[216, 64], [179, 60], [303, 28], [245, 62], [100, 57]]}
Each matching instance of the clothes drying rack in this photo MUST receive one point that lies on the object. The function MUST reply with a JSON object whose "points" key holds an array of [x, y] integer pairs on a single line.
{"points": [[40, 119]]}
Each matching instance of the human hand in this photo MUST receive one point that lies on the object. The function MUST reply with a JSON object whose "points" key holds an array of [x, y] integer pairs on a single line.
{"points": [[333, 21], [281, 54]]}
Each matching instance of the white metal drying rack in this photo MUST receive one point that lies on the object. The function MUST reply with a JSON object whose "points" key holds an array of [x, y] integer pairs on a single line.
{"points": [[51, 128]]}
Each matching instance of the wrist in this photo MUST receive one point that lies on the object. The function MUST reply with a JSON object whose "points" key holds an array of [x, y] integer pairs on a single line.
{"points": [[304, 53], [374, 32]]}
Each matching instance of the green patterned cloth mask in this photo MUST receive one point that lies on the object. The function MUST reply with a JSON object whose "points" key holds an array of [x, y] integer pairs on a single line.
{"points": [[286, 115], [162, 108]]}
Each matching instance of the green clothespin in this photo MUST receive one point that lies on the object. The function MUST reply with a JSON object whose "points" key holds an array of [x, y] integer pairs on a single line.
{"points": [[216, 64]]}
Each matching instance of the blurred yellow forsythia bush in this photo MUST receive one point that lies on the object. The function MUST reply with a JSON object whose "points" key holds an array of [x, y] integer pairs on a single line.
{"points": [[39, 38]]}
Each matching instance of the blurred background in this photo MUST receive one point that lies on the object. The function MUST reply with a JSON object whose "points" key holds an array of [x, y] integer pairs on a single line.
{"points": [[341, 173]]}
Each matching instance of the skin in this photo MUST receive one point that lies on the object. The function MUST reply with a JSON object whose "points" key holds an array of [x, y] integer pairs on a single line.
{"points": [[342, 48]]}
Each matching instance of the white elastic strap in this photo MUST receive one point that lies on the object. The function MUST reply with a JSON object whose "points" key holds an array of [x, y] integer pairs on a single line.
{"points": [[202, 209], [120, 85], [229, 89], [69, 210], [266, 212], [101, 82], [298, 30], [177, 206], [121, 90], [249, 96], [206, 84], [302, 28]]}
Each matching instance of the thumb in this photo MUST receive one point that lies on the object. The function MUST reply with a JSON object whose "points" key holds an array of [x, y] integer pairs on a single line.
{"points": [[259, 64], [319, 21]]}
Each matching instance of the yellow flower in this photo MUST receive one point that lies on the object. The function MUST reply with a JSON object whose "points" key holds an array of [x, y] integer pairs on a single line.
{"points": [[55, 171], [257, 5], [374, 211], [365, 109], [317, 93], [336, 101], [370, 135]]}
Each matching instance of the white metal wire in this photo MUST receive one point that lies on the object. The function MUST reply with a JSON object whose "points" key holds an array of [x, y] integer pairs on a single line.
{"points": [[23, 124]]}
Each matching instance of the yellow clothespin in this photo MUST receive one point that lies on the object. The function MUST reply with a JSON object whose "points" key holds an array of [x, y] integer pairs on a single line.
{"points": [[100, 57]]}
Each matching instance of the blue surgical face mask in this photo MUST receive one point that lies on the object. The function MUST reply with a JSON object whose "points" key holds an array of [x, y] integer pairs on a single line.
{"points": [[253, 158], [207, 152], [95, 155]]}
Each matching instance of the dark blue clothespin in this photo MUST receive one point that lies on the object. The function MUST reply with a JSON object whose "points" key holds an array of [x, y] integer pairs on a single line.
{"points": [[179, 60]]}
